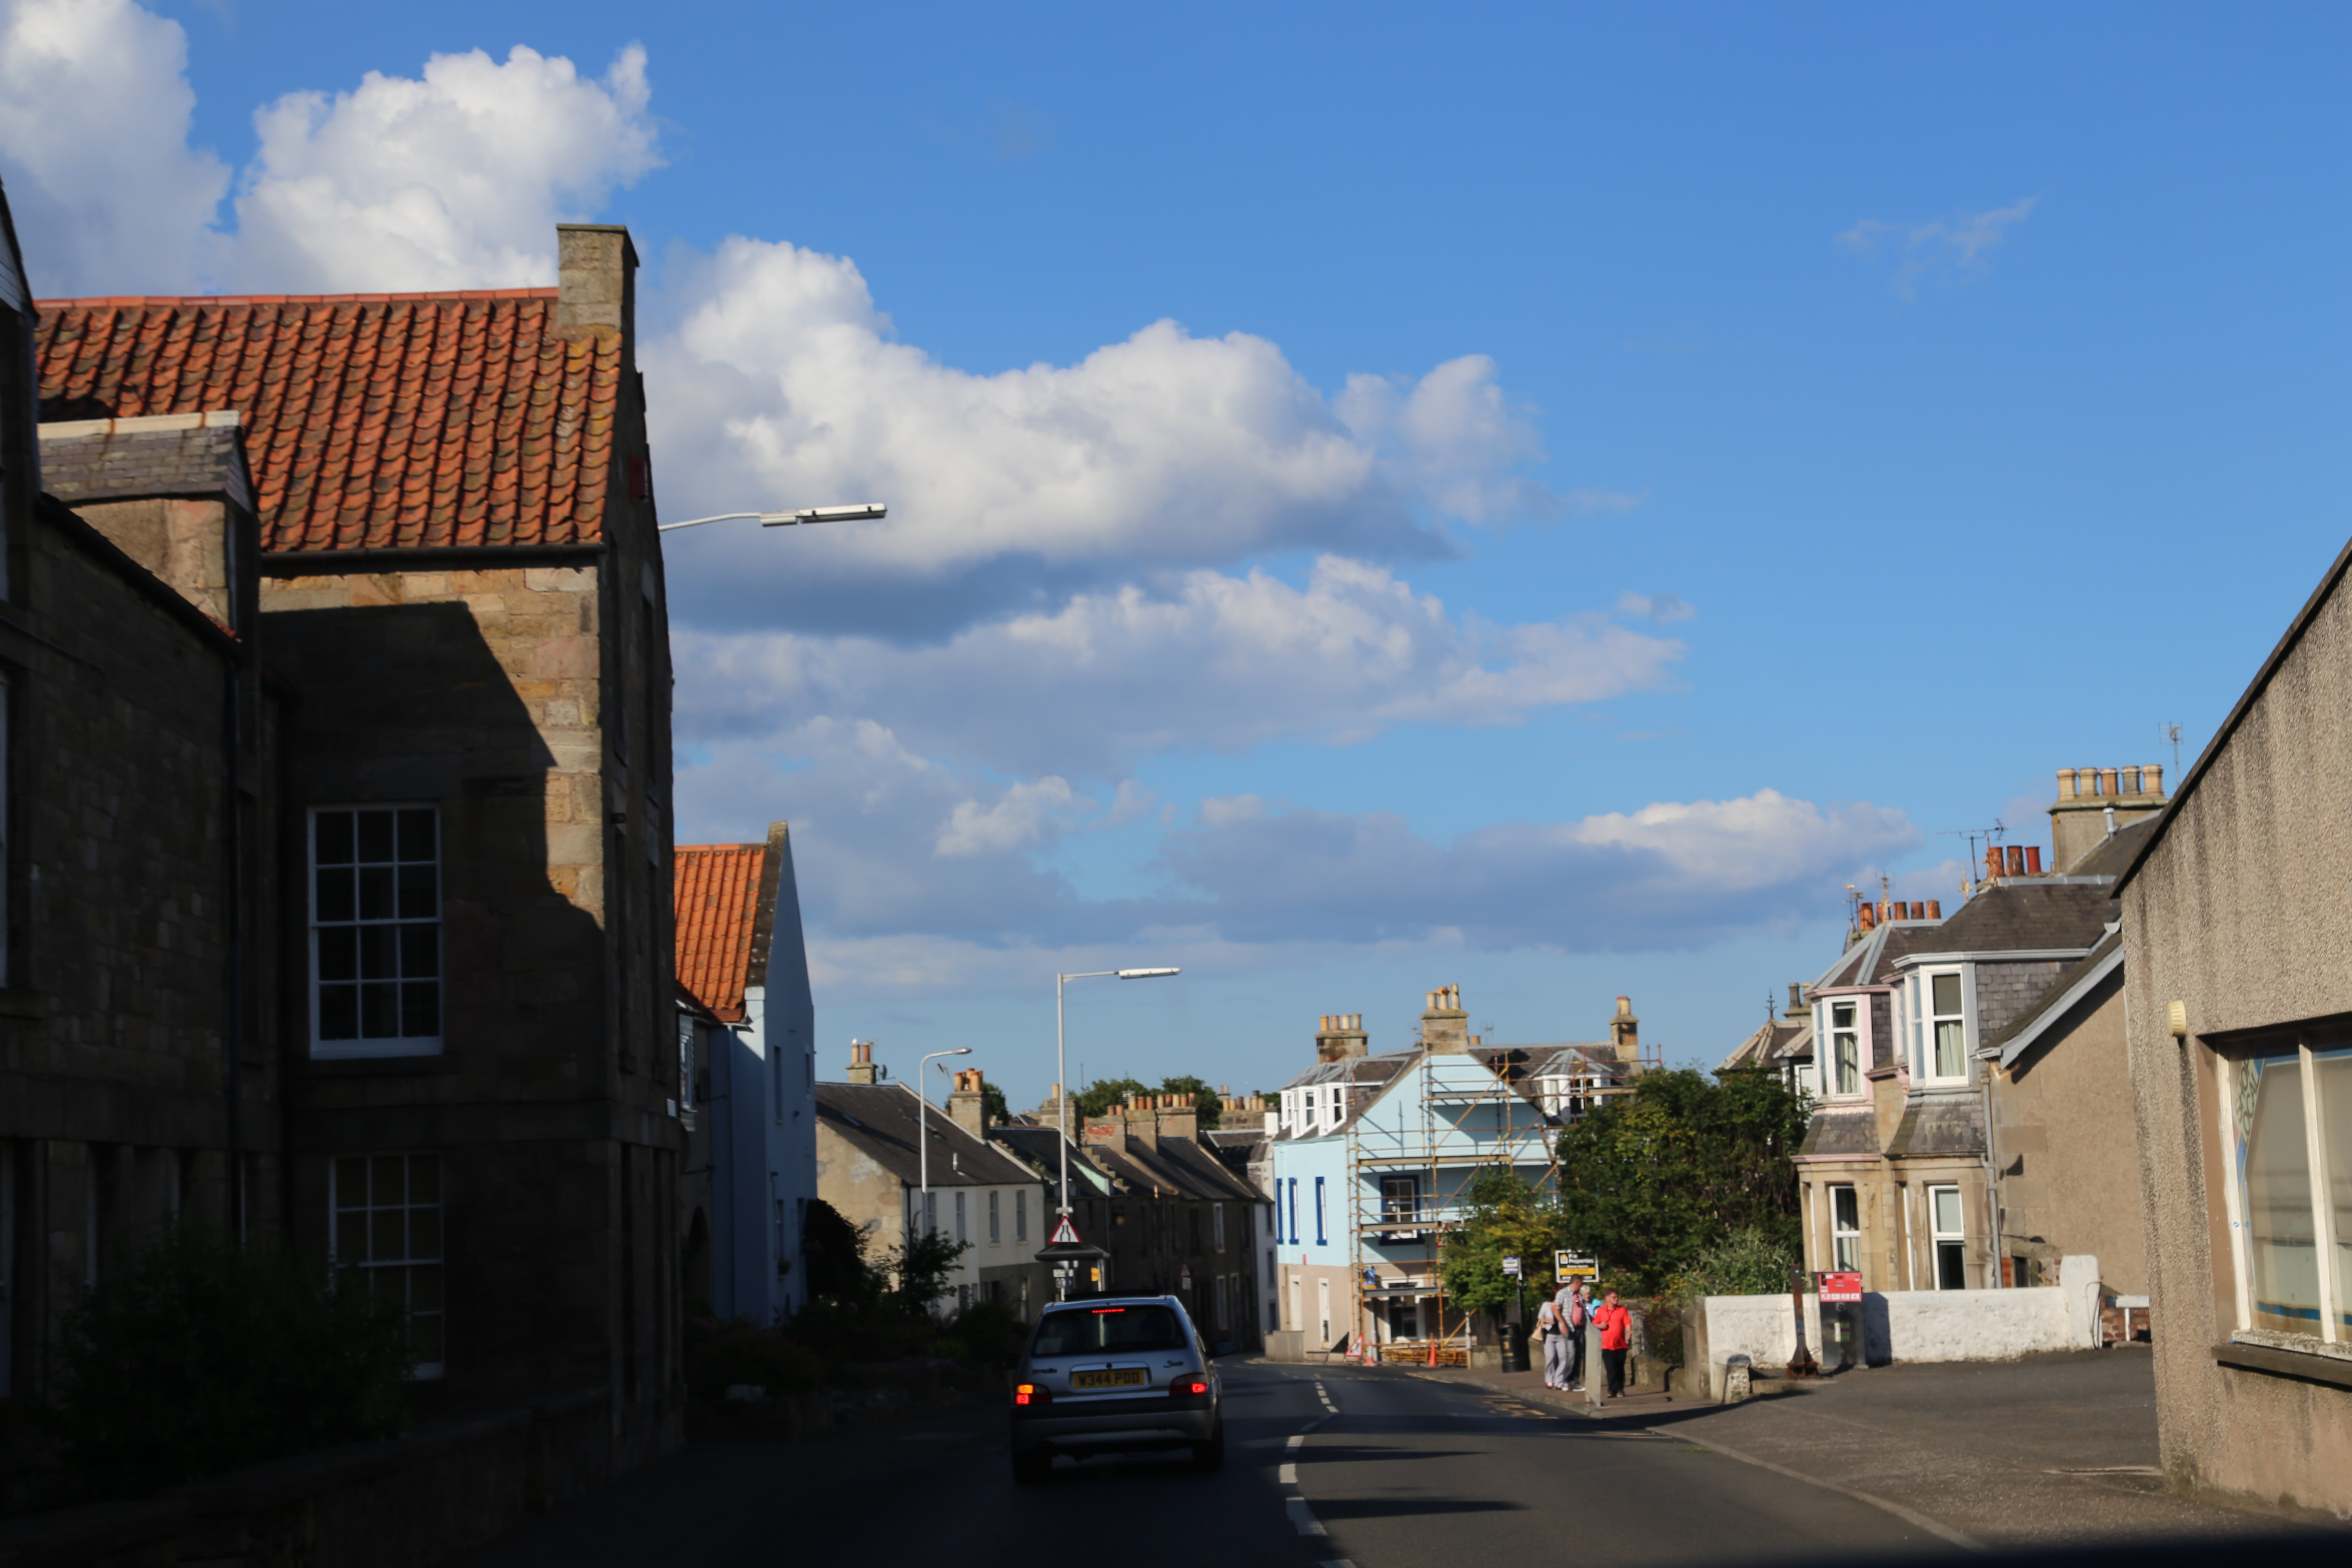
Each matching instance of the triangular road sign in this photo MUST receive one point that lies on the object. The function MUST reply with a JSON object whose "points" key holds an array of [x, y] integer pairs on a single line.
{"points": [[1065, 1234]]}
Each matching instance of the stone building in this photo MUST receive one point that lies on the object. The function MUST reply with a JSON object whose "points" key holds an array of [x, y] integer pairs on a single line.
{"points": [[872, 1168], [467, 965], [138, 1054], [2238, 1025], [741, 955], [1925, 1024]]}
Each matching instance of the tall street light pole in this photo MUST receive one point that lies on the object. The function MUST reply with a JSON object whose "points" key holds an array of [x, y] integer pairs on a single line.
{"points": [[922, 1126], [1061, 1053]]}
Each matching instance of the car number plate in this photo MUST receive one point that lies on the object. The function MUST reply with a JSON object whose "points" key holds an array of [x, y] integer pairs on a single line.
{"points": [[1116, 1377]]}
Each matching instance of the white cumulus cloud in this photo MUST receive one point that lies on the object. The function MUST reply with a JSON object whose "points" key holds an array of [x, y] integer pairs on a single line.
{"points": [[1216, 663], [1945, 249], [454, 180], [94, 111]]}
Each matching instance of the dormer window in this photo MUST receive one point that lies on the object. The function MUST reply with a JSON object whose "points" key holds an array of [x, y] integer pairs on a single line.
{"points": [[1938, 1003], [1846, 1046]]}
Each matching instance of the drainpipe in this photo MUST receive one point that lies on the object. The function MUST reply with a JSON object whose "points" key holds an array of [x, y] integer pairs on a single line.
{"points": [[1992, 1185]]}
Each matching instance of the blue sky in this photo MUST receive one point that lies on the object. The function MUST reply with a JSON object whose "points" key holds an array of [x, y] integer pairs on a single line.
{"points": [[1608, 479]]}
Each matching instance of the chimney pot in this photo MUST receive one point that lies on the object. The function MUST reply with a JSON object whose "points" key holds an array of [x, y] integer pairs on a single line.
{"points": [[2108, 783], [2154, 774], [2033, 860], [1867, 915], [2066, 783], [1992, 862], [1935, 908], [2016, 860]]}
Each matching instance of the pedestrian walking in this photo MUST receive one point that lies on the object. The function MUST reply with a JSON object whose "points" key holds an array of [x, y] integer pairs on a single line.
{"points": [[1551, 1333], [1616, 1326], [1574, 1313]]}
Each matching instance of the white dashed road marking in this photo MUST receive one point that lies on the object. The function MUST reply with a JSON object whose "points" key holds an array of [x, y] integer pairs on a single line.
{"points": [[1296, 1440], [1304, 1517], [1287, 1476]]}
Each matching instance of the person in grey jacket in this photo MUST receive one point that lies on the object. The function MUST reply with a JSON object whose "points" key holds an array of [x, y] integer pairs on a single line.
{"points": [[1574, 1312]]}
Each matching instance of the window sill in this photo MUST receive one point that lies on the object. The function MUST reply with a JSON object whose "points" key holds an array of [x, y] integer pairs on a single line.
{"points": [[2312, 1365]]}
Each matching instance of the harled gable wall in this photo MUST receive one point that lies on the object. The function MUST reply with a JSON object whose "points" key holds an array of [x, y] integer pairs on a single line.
{"points": [[2239, 912]]}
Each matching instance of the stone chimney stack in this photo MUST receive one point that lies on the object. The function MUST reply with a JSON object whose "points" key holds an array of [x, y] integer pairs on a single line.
{"points": [[596, 284], [1626, 1035], [2093, 802], [861, 1061], [1444, 1026], [1340, 1036], [1797, 1008], [966, 1107], [1107, 1130], [1179, 1117]]}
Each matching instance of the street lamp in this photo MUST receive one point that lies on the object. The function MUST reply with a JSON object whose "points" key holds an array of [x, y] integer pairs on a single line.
{"points": [[922, 1126], [864, 512], [1061, 1053]]}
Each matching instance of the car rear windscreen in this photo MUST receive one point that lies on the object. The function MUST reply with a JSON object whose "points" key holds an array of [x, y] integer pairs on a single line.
{"points": [[1076, 1330]]}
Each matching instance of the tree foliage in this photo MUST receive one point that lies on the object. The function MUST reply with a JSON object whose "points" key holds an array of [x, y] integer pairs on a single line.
{"points": [[1650, 1179], [835, 1251], [195, 1355], [1505, 1217], [1103, 1093], [994, 1109], [1748, 1262]]}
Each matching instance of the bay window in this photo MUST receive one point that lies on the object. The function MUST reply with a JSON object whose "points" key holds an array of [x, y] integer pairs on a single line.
{"points": [[1936, 1004], [1845, 1229], [1949, 1238], [1844, 1057]]}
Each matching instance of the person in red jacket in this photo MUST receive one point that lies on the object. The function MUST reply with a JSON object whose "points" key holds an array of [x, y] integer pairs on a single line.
{"points": [[1616, 1326]]}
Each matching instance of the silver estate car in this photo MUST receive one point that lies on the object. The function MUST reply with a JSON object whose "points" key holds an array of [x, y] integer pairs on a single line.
{"points": [[1116, 1375]]}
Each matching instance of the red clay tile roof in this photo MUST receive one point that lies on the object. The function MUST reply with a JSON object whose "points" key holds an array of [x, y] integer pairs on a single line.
{"points": [[372, 421], [717, 890]]}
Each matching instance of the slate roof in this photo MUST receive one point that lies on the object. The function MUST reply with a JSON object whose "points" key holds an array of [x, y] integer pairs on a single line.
{"points": [[1774, 1044], [1841, 1130], [1940, 1124], [2118, 850], [375, 421], [112, 459], [1039, 1147], [717, 892], [879, 1119], [2024, 915], [2037, 1012]]}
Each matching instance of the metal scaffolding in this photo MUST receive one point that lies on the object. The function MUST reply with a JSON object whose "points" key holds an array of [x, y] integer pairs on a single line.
{"points": [[1409, 1183]]}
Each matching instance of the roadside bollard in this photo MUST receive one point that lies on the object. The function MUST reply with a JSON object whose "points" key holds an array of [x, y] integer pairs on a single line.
{"points": [[1737, 1370]]}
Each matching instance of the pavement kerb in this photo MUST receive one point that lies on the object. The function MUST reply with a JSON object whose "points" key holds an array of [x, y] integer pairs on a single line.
{"points": [[1908, 1516]]}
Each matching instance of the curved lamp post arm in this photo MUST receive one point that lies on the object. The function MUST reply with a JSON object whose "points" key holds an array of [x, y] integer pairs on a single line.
{"points": [[864, 512]]}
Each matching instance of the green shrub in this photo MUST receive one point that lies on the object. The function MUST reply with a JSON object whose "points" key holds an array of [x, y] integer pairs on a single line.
{"points": [[196, 1357], [737, 1353], [1751, 1261], [983, 1334]]}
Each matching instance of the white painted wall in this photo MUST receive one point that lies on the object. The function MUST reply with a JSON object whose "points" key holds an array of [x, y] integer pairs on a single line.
{"points": [[1917, 1325]]}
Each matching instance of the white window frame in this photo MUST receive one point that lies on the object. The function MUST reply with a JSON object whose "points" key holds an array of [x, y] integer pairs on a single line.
{"points": [[2325, 1237], [1217, 1232], [1925, 1018], [370, 1266], [1021, 1213], [386, 1045], [962, 1238], [1322, 1213], [1939, 1239], [1825, 1033], [995, 1217], [1845, 1245]]}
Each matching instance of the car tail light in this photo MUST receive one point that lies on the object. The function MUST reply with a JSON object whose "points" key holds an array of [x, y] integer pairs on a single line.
{"points": [[1192, 1385], [1032, 1393]]}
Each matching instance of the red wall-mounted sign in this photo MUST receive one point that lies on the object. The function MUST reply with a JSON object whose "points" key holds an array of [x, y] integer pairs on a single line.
{"points": [[1841, 1287]]}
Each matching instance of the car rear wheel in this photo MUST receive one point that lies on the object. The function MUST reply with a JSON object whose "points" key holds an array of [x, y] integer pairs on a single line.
{"points": [[1211, 1455], [1033, 1469]]}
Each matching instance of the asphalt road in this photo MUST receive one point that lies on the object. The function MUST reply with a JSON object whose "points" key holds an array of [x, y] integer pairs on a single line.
{"points": [[1380, 1470]]}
